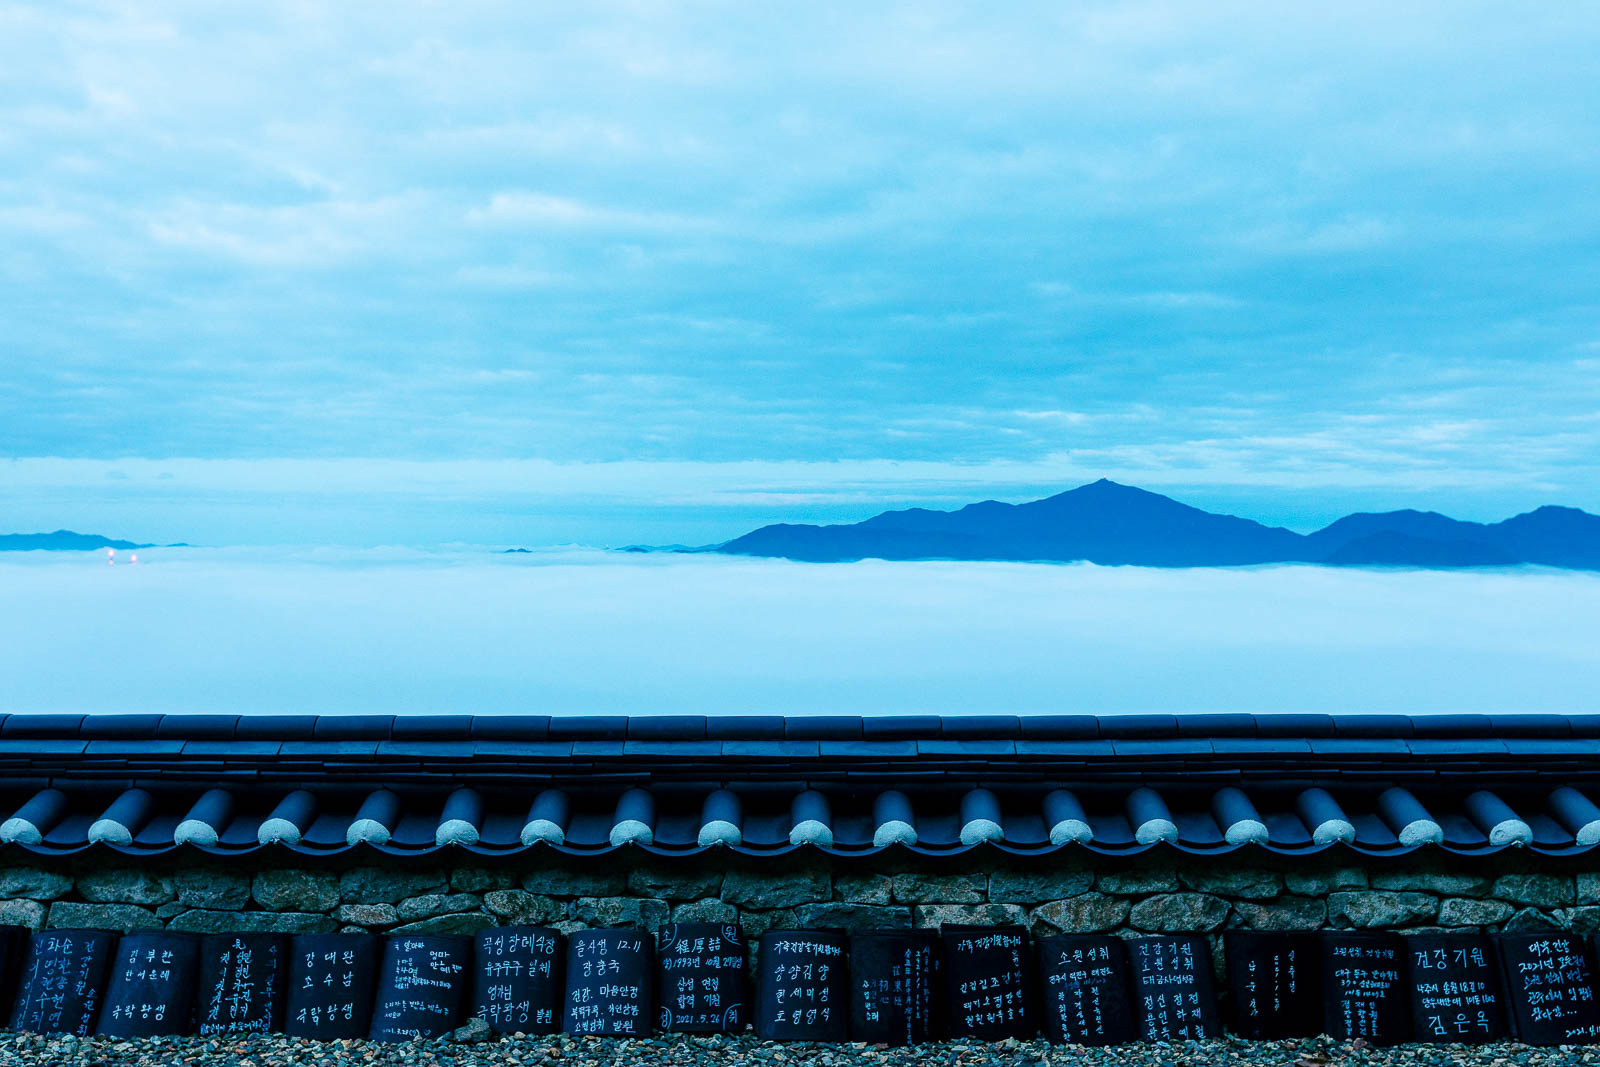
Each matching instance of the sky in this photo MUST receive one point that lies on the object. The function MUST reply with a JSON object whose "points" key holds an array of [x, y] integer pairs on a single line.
{"points": [[606, 273]]}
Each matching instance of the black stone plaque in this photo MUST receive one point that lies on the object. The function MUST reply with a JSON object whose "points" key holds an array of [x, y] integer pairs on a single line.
{"points": [[1550, 983], [608, 983], [802, 986], [988, 981], [332, 979], [422, 986], [1083, 979], [1456, 991], [13, 951], [891, 986], [1365, 992], [516, 979], [62, 981], [1174, 990], [939, 1025], [152, 986], [1274, 984], [700, 978], [241, 983]]}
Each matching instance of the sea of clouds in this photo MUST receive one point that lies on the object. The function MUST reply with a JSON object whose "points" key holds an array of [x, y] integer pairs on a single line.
{"points": [[583, 631]]}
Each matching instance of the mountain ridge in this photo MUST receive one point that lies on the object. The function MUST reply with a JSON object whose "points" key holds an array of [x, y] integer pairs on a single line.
{"points": [[62, 541]]}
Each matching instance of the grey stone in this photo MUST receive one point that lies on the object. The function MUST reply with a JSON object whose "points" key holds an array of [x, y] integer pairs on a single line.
{"points": [[933, 915], [705, 911], [29, 913], [674, 883], [776, 890], [1179, 913], [1528, 920], [67, 915], [519, 908], [471, 1032], [171, 908], [1465, 911], [466, 922], [367, 914], [431, 904], [1086, 913], [1037, 887], [756, 923], [478, 880], [620, 911], [862, 888], [125, 885], [575, 883], [1138, 880], [296, 890], [264, 922], [1588, 886], [1243, 883], [1535, 890], [1581, 920], [1317, 883], [378, 885], [32, 883], [212, 889], [841, 916], [1284, 913], [1439, 883], [911, 888], [1375, 908]]}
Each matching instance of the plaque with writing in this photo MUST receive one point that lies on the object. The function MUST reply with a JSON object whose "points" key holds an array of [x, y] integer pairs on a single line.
{"points": [[13, 950], [700, 978], [1274, 983], [1364, 987], [422, 986], [241, 983], [1174, 990], [802, 986], [608, 983], [988, 973], [329, 991], [939, 1023], [152, 986], [1456, 992], [1551, 988], [62, 981], [516, 979], [891, 986], [1084, 983]]}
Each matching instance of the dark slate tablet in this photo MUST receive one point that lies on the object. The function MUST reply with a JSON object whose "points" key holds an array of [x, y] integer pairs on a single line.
{"points": [[608, 988], [1083, 979], [1274, 983], [700, 978], [1456, 989], [331, 983], [939, 1025], [1550, 985], [13, 951], [1174, 990], [988, 981], [891, 986], [802, 986], [241, 983], [422, 986], [152, 986], [1365, 992], [517, 978], [62, 982]]}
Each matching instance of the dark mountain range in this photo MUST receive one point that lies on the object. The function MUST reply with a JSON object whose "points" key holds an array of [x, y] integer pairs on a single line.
{"points": [[1105, 522], [60, 541]]}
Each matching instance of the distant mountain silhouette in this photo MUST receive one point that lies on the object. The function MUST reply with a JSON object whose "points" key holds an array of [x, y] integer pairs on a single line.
{"points": [[61, 541], [1105, 522]]}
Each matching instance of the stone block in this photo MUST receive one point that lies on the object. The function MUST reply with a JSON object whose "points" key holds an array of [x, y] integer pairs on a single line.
{"points": [[935, 915], [1137, 881], [557, 883], [1037, 887], [1317, 883], [1086, 913], [32, 883], [1580, 920], [125, 885], [1242, 883], [909, 888], [428, 905], [862, 888], [367, 914], [1438, 883], [1588, 887], [709, 910], [1375, 909], [1536, 890], [1283, 913], [521, 908], [1467, 911], [597, 912], [67, 915], [675, 883], [28, 913], [479, 880], [776, 889], [381, 885], [296, 890], [1179, 913], [466, 922], [1529, 920], [838, 915], [216, 890], [276, 922]]}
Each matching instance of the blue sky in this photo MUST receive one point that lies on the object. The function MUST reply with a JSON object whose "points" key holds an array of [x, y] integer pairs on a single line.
{"points": [[657, 272]]}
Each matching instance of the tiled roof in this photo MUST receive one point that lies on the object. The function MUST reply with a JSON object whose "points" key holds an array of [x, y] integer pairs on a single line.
{"points": [[1378, 784]]}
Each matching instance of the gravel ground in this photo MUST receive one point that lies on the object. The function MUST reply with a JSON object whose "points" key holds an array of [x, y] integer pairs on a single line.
{"points": [[26, 1050]]}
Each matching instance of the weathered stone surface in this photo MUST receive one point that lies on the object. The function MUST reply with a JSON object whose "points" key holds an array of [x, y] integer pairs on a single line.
{"points": [[675, 883], [1439, 883], [1376, 908], [68, 915], [1086, 913], [212, 889], [471, 1032], [1244, 883], [908, 888], [367, 914], [1528, 920], [430, 904], [277, 922], [1179, 913], [1535, 890], [756, 923], [171, 908], [1588, 887], [1466, 911], [1138, 880], [705, 911], [32, 883], [1037, 887], [479, 880], [124, 885], [933, 915], [1316, 883], [620, 911], [862, 888], [379, 885], [466, 922], [29, 913], [1581, 920], [575, 883], [838, 915], [520, 908], [296, 890], [1283, 913], [776, 890]]}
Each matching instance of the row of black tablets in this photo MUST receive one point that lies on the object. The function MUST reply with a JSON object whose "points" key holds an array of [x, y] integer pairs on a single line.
{"points": [[888, 986]]}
